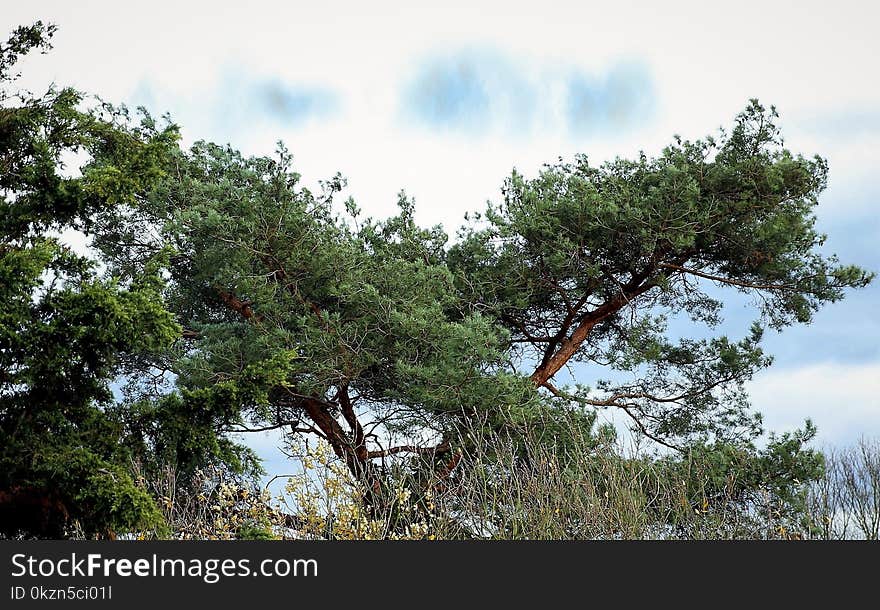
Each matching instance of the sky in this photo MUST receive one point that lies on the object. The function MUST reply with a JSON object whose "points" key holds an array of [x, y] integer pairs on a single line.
{"points": [[443, 100]]}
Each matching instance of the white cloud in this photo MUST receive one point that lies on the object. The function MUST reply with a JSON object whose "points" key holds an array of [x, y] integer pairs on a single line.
{"points": [[843, 400], [807, 58]]}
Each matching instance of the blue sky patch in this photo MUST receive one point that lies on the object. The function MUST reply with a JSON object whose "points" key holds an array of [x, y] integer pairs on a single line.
{"points": [[449, 92], [621, 99], [476, 91], [294, 104], [236, 101]]}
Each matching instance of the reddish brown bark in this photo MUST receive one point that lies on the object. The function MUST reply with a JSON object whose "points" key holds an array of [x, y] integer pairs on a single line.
{"points": [[243, 308], [568, 347], [356, 457]]}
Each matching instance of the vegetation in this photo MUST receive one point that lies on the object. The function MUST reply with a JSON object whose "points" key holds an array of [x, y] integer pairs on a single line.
{"points": [[223, 298], [65, 331], [844, 502], [613, 492]]}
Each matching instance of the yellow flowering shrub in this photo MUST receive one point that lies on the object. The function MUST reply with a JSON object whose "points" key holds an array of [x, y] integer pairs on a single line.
{"points": [[223, 510], [328, 503]]}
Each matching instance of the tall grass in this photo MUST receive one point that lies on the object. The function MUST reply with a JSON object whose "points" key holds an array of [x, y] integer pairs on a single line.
{"points": [[529, 487]]}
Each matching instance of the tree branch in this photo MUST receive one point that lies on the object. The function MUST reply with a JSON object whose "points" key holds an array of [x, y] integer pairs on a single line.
{"points": [[436, 450], [243, 308], [727, 280]]}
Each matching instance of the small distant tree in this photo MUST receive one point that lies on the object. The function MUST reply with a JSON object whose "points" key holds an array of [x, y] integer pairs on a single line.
{"points": [[844, 502]]}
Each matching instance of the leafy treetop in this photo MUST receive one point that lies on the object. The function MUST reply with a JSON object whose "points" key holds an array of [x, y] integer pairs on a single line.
{"points": [[586, 264]]}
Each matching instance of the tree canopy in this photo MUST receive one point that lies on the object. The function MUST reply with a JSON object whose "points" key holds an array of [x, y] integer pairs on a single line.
{"points": [[586, 264], [228, 298], [304, 316], [303, 319], [65, 331]]}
